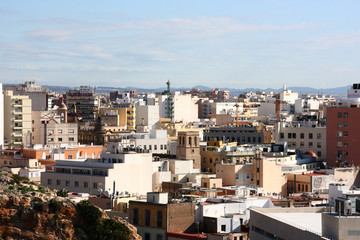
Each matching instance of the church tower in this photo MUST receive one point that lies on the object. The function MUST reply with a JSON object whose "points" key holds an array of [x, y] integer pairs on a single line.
{"points": [[188, 147]]}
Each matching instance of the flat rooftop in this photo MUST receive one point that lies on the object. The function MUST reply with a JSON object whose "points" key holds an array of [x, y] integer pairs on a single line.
{"points": [[307, 221]]}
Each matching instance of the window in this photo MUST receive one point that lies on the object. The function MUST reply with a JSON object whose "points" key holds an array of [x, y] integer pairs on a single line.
{"points": [[147, 236], [71, 139], [58, 182], [310, 136], [319, 153], [50, 132], [346, 153], [339, 144], [289, 135], [318, 135], [161, 147], [204, 160], [71, 130], [95, 185], [310, 144], [59, 139], [49, 181], [86, 184], [155, 147], [294, 135], [346, 115], [67, 183], [345, 144], [149, 147], [144, 147], [302, 144], [159, 219], [159, 237], [59, 130], [346, 134], [165, 147], [210, 160], [135, 216], [205, 185], [50, 140], [318, 144], [340, 124], [281, 135], [257, 182], [302, 135], [147, 217], [346, 124], [76, 183], [339, 134], [339, 115], [257, 169], [70, 157], [223, 228]]}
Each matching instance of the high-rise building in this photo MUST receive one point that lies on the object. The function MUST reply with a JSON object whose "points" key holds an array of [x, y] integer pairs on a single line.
{"points": [[17, 120], [343, 131], [1, 117]]}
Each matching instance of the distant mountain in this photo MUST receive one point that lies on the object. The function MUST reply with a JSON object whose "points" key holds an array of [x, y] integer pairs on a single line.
{"points": [[233, 91]]}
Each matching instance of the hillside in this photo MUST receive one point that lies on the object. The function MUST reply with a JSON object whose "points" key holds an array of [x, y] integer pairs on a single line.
{"points": [[32, 211]]}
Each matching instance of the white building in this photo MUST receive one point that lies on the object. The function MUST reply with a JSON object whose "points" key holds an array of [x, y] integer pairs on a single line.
{"points": [[288, 96], [114, 172], [148, 115], [183, 107], [211, 108], [307, 106]]}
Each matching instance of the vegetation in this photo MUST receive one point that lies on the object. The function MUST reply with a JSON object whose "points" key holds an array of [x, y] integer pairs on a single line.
{"points": [[62, 193], [98, 228]]}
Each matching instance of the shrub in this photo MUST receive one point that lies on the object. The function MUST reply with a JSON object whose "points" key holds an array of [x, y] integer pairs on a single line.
{"points": [[62, 193], [89, 213], [41, 189], [41, 206], [55, 206], [111, 229]]}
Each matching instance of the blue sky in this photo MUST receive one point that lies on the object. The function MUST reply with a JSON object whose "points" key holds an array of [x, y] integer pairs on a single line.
{"points": [[222, 43]]}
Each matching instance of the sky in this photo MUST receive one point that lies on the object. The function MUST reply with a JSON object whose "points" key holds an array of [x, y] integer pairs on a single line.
{"points": [[224, 43]]}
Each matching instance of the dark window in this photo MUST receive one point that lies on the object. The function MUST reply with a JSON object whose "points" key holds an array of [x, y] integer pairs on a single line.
{"points": [[223, 228], [135, 216], [49, 182], [86, 184], [76, 184], [281, 135], [257, 182], [346, 115], [67, 183], [159, 219], [346, 124], [339, 115], [159, 237], [302, 135], [58, 182], [318, 135], [294, 135], [257, 169], [310, 136], [147, 236], [147, 217], [346, 153], [289, 135], [346, 134]]}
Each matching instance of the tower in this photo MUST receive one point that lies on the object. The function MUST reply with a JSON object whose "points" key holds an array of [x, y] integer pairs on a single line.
{"points": [[188, 147], [62, 111]]}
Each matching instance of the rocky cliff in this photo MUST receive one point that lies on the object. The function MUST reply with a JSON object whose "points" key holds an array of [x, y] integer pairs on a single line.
{"points": [[32, 211]]}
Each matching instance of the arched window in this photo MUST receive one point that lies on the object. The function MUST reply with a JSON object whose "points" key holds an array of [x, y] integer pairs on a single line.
{"points": [[190, 141]]}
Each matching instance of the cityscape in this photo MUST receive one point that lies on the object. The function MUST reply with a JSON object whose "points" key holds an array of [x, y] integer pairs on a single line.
{"points": [[164, 120]]}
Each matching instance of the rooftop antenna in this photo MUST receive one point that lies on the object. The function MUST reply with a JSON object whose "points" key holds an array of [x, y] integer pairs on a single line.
{"points": [[168, 100]]}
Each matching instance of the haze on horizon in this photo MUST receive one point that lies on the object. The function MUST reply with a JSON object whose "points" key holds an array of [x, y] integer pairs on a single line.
{"points": [[235, 44]]}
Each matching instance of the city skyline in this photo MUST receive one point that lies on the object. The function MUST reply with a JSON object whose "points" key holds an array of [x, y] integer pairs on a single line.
{"points": [[143, 44]]}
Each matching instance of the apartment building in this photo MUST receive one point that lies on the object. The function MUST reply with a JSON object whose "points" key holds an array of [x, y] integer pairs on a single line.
{"points": [[242, 134], [17, 119], [304, 138], [217, 152], [343, 132], [114, 172], [1, 117], [85, 101], [155, 217], [148, 115]]}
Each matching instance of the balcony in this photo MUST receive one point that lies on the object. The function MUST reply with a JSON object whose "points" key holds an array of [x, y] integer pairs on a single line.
{"points": [[17, 134]]}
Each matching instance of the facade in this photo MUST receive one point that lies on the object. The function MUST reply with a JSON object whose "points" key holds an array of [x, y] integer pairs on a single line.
{"points": [[37, 94], [17, 119], [303, 138], [155, 217], [242, 134], [183, 107], [343, 133], [114, 172], [188, 147], [148, 115], [1, 117], [85, 101]]}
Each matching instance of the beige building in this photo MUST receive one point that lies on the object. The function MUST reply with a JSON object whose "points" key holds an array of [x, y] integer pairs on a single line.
{"points": [[17, 120], [126, 117], [188, 147]]}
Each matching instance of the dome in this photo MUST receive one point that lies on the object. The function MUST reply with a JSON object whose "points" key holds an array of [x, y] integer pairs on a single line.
{"points": [[62, 105], [311, 153]]}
